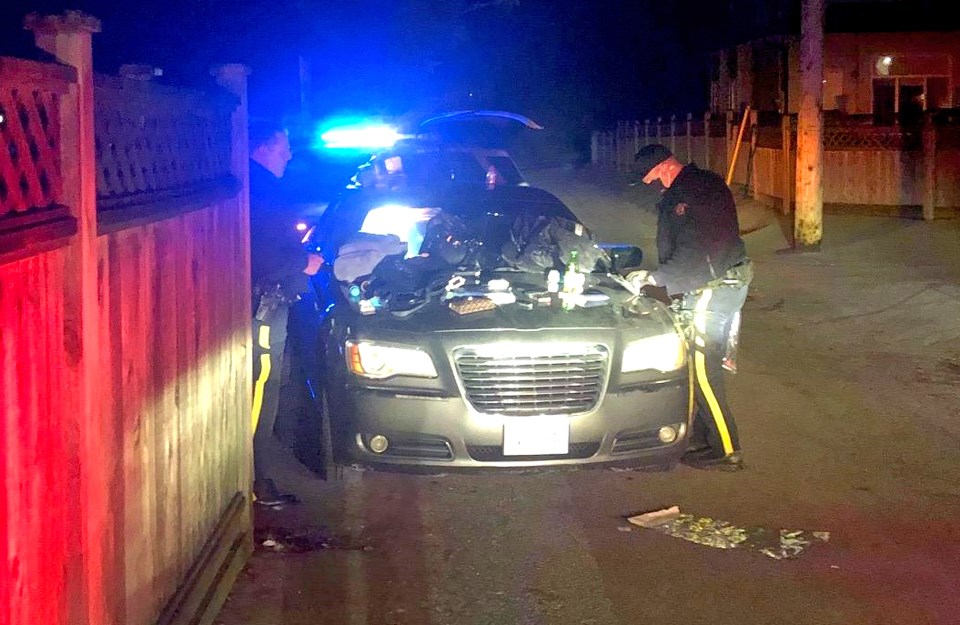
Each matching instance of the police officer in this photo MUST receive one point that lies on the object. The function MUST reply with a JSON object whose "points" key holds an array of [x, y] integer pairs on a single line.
{"points": [[703, 267], [280, 271]]}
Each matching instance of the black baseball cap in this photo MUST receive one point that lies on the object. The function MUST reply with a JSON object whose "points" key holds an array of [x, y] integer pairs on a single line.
{"points": [[649, 157]]}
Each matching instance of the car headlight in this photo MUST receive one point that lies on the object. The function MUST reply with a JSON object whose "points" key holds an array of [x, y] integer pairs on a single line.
{"points": [[379, 361], [665, 352]]}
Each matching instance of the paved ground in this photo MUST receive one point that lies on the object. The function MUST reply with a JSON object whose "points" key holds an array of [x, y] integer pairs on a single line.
{"points": [[848, 403]]}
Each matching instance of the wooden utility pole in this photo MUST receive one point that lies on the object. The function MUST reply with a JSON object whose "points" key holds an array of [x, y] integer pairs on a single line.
{"points": [[808, 219]]}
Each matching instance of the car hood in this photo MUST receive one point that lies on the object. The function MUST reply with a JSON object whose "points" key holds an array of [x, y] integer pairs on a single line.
{"points": [[622, 311]]}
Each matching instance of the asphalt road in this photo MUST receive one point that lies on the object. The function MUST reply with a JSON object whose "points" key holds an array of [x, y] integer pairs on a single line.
{"points": [[848, 403]]}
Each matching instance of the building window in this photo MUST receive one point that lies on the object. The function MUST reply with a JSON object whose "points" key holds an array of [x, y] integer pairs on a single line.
{"points": [[904, 86]]}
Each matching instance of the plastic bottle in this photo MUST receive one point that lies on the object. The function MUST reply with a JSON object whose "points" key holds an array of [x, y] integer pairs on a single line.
{"points": [[553, 281], [573, 282]]}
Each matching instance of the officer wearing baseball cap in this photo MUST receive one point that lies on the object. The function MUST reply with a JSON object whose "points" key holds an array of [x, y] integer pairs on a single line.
{"points": [[703, 267]]}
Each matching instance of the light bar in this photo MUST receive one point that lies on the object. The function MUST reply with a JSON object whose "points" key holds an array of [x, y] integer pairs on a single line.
{"points": [[360, 136]]}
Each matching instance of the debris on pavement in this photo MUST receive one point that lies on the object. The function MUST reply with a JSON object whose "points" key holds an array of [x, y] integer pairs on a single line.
{"points": [[282, 540], [781, 545]]}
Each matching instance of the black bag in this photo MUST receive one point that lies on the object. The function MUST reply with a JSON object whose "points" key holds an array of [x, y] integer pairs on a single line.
{"points": [[539, 242]]}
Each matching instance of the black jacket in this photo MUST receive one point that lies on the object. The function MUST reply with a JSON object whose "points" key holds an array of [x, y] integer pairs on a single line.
{"points": [[698, 236], [276, 256]]}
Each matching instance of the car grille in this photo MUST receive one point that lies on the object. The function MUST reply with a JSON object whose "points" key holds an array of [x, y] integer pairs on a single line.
{"points": [[494, 453], [533, 379]]}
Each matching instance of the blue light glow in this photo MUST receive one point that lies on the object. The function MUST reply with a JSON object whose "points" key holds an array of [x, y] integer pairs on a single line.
{"points": [[360, 136]]}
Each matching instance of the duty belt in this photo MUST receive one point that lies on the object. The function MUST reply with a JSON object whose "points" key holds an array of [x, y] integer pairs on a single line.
{"points": [[268, 297], [740, 274]]}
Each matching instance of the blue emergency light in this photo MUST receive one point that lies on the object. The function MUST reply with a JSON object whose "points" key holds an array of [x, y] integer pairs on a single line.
{"points": [[360, 136]]}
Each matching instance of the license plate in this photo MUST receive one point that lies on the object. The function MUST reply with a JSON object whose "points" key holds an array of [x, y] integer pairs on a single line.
{"points": [[536, 436]]}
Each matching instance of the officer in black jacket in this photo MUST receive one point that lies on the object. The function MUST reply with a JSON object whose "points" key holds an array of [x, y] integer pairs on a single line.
{"points": [[703, 267], [280, 270]]}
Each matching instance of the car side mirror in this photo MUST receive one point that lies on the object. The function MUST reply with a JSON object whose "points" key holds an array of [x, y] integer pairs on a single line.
{"points": [[623, 257]]}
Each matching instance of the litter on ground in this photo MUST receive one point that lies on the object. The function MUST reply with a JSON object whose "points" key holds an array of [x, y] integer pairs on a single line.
{"points": [[780, 545]]}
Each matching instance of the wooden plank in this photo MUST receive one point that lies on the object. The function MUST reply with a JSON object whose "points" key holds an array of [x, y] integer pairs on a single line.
{"points": [[166, 412], [134, 262], [31, 435], [191, 412], [112, 381], [25, 433], [7, 409], [16, 412], [218, 464], [59, 442]]}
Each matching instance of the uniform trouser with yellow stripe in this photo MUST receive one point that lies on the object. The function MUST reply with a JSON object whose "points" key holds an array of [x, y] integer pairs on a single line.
{"points": [[269, 343], [713, 312]]}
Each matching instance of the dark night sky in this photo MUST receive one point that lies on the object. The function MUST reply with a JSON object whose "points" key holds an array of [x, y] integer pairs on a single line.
{"points": [[553, 59]]}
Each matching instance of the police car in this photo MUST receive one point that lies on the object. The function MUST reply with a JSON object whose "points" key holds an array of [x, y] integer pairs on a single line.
{"points": [[461, 147]]}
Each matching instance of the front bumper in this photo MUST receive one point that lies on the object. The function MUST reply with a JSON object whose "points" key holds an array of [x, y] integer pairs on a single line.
{"points": [[447, 433]]}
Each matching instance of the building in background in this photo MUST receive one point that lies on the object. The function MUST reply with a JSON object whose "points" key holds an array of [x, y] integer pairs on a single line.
{"points": [[891, 59], [888, 75]]}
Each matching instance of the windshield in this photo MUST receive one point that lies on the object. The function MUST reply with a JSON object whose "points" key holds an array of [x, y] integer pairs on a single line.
{"points": [[506, 169]]}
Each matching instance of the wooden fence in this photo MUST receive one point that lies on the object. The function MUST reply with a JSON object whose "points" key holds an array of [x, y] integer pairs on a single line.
{"points": [[864, 164], [124, 341]]}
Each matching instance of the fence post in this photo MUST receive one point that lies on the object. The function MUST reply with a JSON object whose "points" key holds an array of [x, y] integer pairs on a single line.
{"points": [[233, 78], [659, 124], [636, 137], [706, 139], [673, 133], [689, 137], [69, 38], [929, 166], [752, 158], [646, 132], [787, 175]]}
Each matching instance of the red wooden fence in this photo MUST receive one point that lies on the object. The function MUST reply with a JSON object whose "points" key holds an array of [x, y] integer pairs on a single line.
{"points": [[124, 342]]}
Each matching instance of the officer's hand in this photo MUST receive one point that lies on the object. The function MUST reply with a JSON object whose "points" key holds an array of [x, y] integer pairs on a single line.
{"points": [[639, 278], [314, 262], [658, 293]]}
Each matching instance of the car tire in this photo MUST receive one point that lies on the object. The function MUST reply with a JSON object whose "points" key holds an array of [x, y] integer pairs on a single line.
{"points": [[330, 469], [313, 444]]}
